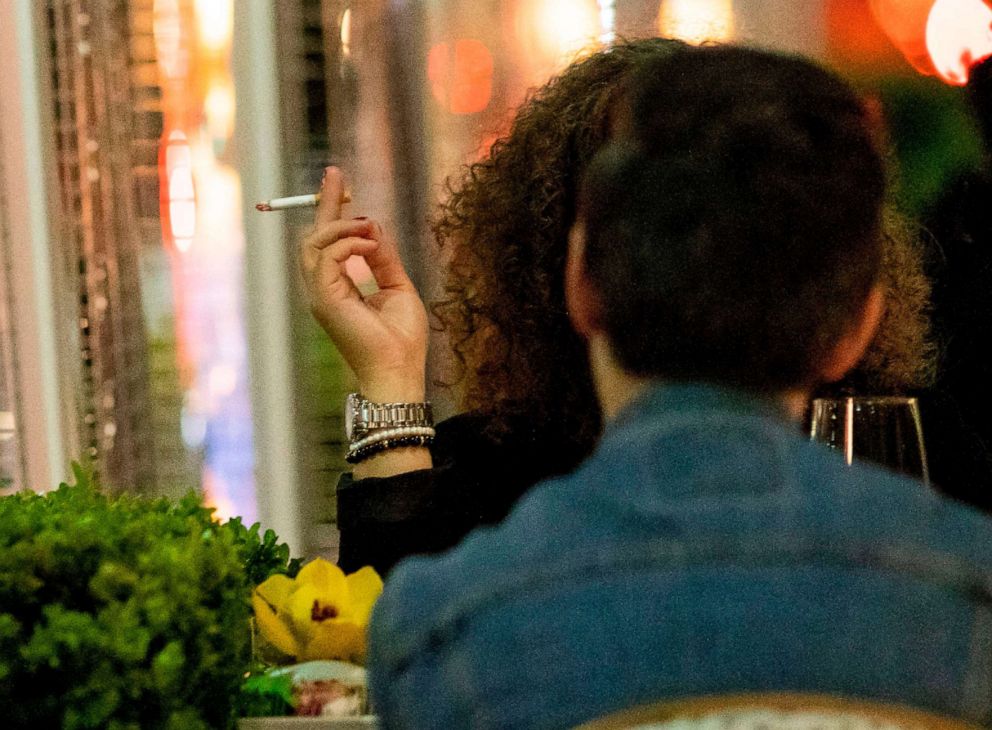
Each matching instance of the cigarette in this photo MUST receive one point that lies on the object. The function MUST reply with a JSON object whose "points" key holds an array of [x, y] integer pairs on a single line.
{"points": [[296, 201]]}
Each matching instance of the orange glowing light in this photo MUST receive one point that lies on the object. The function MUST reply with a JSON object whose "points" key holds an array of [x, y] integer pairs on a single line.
{"points": [[556, 31], [461, 75], [219, 108], [854, 37], [167, 32], [697, 21], [905, 23], [959, 35], [346, 33], [567, 26], [217, 495], [215, 24]]}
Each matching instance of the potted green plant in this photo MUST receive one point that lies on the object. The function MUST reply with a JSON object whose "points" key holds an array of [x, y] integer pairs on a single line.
{"points": [[125, 612]]}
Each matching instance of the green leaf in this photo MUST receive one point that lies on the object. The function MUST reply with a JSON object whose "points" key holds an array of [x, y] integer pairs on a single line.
{"points": [[263, 695]]}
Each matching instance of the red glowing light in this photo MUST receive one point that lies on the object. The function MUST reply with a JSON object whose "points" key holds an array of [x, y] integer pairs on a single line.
{"points": [[855, 37], [958, 35], [461, 75]]}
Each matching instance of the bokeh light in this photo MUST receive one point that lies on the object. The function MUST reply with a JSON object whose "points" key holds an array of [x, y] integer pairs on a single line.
{"points": [[958, 35], [346, 33], [561, 29], [219, 109], [214, 24], [905, 23], [178, 195], [696, 21], [461, 75], [171, 53]]}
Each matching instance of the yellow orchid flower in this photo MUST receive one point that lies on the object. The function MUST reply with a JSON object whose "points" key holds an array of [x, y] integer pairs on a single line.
{"points": [[321, 614]]}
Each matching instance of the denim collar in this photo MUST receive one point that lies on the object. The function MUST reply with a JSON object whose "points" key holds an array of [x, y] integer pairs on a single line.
{"points": [[668, 398]]}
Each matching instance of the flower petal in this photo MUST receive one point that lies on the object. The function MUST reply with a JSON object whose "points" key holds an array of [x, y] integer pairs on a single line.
{"points": [[272, 627], [336, 640], [364, 587], [276, 589], [326, 577], [300, 610]]}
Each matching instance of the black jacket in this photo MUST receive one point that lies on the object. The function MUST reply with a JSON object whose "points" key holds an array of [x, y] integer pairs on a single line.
{"points": [[957, 412], [476, 479]]}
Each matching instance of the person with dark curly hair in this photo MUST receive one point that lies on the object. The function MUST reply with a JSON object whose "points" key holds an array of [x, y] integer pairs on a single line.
{"points": [[529, 407]]}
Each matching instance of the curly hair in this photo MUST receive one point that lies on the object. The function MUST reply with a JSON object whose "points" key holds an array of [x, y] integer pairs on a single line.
{"points": [[903, 355], [505, 226], [506, 221]]}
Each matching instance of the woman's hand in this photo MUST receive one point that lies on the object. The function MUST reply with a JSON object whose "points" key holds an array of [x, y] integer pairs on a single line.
{"points": [[382, 336]]}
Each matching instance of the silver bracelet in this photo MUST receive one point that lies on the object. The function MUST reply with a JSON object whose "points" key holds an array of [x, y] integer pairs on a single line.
{"points": [[387, 434]]}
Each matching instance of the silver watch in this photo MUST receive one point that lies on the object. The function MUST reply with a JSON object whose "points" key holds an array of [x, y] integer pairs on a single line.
{"points": [[362, 415]]}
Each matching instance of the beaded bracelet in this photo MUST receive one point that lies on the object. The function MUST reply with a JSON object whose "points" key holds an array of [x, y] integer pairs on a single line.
{"points": [[388, 433], [356, 455]]}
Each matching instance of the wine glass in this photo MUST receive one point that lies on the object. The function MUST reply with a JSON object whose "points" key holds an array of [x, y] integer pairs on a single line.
{"points": [[885, 430]]}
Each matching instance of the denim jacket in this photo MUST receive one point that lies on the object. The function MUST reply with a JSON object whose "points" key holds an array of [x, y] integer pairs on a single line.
{"points": [[706, 547]]}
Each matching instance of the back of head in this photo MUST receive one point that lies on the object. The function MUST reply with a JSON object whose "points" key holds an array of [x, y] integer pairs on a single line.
{"points": [[733, 231]]}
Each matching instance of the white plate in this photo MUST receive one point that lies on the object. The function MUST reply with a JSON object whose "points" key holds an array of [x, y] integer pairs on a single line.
{"points": [[363, 722]]}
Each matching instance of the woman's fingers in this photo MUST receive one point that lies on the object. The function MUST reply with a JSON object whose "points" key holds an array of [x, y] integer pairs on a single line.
{"points": [[329, 261], [334, 296], [326, 235], [383, 336], [331, 198], [384, 261], [342, 250], [387, 266]]}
